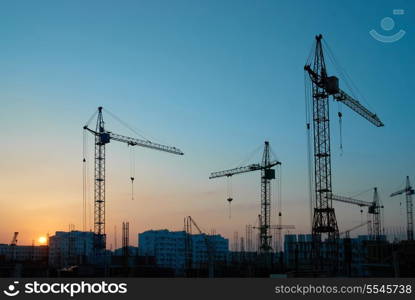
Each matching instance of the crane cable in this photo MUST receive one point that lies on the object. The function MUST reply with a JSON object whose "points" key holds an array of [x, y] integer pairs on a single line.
{"points": [[308, 108], [279, 207], [87, 218], [84, 181], [340, 114], [280, 188], [353, 88], [132, 170], [357, 194], [247, 159], [129, 127], [229, 193], [90, 118]]}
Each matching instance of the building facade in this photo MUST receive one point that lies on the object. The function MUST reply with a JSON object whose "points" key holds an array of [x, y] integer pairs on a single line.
{"points": [[70, 248], [352, 255], [23, 253], [169, 248]]}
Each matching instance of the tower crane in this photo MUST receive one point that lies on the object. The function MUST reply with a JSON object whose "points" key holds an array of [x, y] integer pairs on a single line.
{"points": [[374, 210], [267, 174], [347, 243], [323, 86], [408, 191], [13, 244], [14, 239], [103, 137], [210, 247], [347, 232]]}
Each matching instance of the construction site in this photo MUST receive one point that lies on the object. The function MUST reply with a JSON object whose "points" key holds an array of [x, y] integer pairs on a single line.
{"points": [[267, 248]]}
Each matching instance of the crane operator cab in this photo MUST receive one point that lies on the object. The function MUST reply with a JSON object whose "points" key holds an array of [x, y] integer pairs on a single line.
{"points": [[269, 174], [332, 85], [104, 138]]}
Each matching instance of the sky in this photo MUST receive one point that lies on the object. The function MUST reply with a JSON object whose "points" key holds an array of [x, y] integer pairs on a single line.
{"points": [[213, 78]]}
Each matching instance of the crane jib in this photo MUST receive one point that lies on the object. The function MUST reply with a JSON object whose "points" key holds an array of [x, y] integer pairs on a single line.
{"points": [[144, 143], [330, 85]]}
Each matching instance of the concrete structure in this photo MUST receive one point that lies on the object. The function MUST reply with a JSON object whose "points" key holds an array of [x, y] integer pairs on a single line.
{"points": [[352, 253], [23, 253], [71, 248], [132, 251], [297, 249], [168, 247]]}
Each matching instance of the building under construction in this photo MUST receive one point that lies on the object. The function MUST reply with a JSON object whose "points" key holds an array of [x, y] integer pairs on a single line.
{"points": [[164, 253], [263, 251]]}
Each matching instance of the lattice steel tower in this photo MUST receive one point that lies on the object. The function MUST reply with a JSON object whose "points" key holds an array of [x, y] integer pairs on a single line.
{"points": [[267, 174], [103, 137], [324, 224]]}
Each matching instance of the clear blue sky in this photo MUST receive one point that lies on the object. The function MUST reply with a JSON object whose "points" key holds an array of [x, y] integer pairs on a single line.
{"points": [[215, 78]]}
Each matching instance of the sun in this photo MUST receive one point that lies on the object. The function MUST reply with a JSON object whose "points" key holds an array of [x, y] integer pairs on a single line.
{"points": [[42, 240]]}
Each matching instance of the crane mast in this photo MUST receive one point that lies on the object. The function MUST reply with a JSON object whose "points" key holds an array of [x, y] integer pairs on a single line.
{"points": [[324, 218], [375, 211], [324, 222], [277, 228], [408, 191], [267, 174], [103, 137]]}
